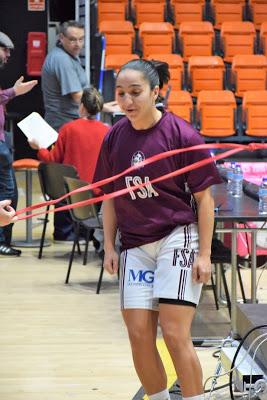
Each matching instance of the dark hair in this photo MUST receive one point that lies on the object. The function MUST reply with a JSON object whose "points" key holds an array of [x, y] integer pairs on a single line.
{"points": [[92, 100], [154, 71], [69, 24]]}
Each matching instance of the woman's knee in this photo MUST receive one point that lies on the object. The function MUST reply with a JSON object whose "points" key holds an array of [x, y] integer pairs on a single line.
{"points": [[175, 339]]}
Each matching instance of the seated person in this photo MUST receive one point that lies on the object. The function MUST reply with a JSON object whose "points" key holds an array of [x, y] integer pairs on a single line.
{"points": [[78, 144]]}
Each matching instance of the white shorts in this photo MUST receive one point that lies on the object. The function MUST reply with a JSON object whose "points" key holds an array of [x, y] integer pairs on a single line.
{"points": [[161, 272]]}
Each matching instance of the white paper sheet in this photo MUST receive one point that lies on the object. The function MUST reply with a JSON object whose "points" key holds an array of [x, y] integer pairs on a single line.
{"points": [[35, 127]]}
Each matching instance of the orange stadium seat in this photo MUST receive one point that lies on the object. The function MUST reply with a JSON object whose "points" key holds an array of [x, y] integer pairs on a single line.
{"points": [[180, 103], [249, 73], [119, 36], [156, 37], [258, 11], [187, 10], [176, 68], [254, 113], [205, 73], [227, 10], [263, 38], [216, 113], [115, 61], [237, 38], [111, 10], [149, 11], [196, 39]]}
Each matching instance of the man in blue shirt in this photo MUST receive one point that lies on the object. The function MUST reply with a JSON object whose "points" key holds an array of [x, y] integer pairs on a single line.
{"points": [[63, 77]]}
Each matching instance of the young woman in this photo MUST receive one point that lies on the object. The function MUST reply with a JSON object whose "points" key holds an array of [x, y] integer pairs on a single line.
{"points": [[78, 144], [166, 228]]}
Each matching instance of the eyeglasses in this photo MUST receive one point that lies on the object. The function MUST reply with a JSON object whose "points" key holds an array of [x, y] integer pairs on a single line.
{"points": [[75, 40]]}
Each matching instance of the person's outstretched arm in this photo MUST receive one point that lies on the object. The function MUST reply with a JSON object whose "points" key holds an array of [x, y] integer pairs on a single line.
{"points": [[7, 213], [111, 260], [20, 87]]}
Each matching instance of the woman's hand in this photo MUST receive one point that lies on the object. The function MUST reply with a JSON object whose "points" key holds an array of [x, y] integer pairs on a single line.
{"points": [[33, 143], [201, 271], [7, 213], [111, 261]]}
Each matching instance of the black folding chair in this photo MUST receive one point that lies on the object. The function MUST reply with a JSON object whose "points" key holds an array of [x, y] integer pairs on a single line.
{"points": [[52, 186], [85, 217]]}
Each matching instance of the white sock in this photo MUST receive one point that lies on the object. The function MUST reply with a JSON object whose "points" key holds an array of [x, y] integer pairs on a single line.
{"points": [[198, 397], [164, 395]]}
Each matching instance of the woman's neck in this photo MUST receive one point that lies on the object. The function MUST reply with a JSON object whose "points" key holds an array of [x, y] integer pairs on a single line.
{"points": [[149, 122]]}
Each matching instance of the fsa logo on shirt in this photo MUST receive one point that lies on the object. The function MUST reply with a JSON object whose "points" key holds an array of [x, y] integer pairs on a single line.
{"points": [[143, 192]]}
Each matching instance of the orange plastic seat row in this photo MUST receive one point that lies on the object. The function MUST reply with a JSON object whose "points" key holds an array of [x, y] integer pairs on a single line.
{"points": [[149, 12], [205, 73], [119, 36], [263, 37], [115, 61], [196, 38], [249, 73], [237, 38], [180, 103], [254, 113], [111, 10], [156, 38], [185, 11], [258, 12], [216, 113], [227, 10]]}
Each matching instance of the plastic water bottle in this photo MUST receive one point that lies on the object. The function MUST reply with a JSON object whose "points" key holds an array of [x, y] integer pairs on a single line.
{"points": [[237, 183], [263, 196], [229, 176]]}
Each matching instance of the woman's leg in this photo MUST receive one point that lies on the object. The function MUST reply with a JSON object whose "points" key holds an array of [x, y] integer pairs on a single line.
{"points": [[142, 331], [175, 321]]}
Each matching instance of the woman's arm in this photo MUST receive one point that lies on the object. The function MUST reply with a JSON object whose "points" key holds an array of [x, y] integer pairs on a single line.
{"points": [[54, 155], [111, 260], [205, 208]]}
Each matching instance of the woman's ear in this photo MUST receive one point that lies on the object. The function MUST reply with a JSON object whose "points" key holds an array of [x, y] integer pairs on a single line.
{"points": [[156, 92]]}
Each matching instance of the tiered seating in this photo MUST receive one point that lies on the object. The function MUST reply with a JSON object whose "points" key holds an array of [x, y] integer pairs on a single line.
{"points": [[196, 38], [187, 10], [112, 10], [237, 38], [258, 12], [149, 11], [227, 10], [205, 73], [202, 61], [156, 37], [254, 113], [115, 61], [119, 36], [175, 67], [249, 73], [216, 112], [180, 103]]}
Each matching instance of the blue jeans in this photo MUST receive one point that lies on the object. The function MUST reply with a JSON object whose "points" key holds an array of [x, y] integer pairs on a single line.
{"points": [[8, 188]]}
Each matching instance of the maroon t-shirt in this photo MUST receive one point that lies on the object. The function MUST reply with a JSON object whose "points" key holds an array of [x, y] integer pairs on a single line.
{"points": [[150, 213]]}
